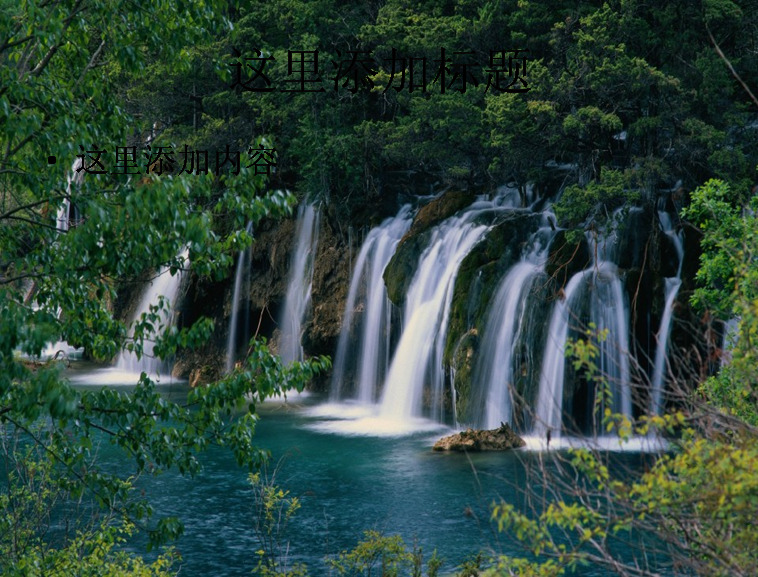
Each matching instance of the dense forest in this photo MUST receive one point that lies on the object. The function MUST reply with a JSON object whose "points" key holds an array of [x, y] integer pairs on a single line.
{"points": [[502, 91], [181, 123]]}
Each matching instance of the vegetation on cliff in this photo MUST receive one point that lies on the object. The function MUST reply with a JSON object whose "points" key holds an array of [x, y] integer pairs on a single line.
{"points": [[650, 92]]}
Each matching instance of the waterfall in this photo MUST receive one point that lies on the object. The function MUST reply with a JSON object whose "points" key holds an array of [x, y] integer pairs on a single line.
{"points": [[62, 225], [494, 368], [241, 287], [507, 317], [299, 285], [608, 313], [368, 337], [63, 217], [672, 285], [166, 285], [549, 410], [418, 360]]}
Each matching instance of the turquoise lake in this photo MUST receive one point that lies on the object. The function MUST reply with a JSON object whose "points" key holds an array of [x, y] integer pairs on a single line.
{"points": [[351, 474]]}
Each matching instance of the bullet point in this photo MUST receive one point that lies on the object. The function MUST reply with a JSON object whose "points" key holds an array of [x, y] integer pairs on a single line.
{"points": [[51, 160]]}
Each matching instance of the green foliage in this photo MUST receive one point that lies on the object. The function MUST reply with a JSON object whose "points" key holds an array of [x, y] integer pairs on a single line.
{"points": [[694, 503], [274, 509], [386, 556], [726, 273], [612, 85], [90, 554], [729, 287], [593, 204], [32, 491]]}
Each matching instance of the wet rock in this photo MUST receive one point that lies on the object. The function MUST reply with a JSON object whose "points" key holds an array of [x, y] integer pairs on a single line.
{"points": [[463, 360], [442, 207], [481, 271], [470, 440], [331, 281], [400, 270]]}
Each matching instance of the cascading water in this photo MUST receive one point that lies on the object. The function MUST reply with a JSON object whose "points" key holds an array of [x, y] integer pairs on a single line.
{"points": [[166, 285], [65, 215], [241, 287], [672, 285], [62, 220], [520, 374], [418, 360], [507, 317], [494, 368], [369, 336], [549, 409], [608, 313], [299, 285]]}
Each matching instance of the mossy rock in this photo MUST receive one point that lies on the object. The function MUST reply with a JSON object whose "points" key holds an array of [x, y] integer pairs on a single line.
{"points": [[442, 207], [481, 271], [463, 362], [402, 266], [470, 440]]}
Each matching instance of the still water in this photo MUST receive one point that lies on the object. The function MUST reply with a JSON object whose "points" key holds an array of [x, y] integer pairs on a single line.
{"points": [[346, 484], [351, 473]]}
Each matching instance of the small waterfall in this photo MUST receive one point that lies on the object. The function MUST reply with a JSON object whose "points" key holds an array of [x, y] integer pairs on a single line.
{"points": [[609, 314], [507, 318], [167, 286], [62, 220], [63, 217], [299, 285], [549, 410], [369, 336], [672, 285], [494, 367], [241, 287], [417, 362]]}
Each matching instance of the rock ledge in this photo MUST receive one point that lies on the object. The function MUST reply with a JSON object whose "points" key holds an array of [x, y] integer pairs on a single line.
{"points": [[500, 439]]}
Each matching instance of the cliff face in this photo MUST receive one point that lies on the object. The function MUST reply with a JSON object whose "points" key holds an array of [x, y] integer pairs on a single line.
{"points": [[331, 281], [645, 258], [269, 274]]}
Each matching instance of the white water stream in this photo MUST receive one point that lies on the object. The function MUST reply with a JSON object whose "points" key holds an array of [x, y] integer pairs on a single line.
{"points": [[163, 285], [298, 296], [672, 285], [417, 365], [241, 287], [367, 343]]}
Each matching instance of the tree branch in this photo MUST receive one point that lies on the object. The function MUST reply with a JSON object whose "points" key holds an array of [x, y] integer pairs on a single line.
{"points": [[92, 62], [729, 66]]}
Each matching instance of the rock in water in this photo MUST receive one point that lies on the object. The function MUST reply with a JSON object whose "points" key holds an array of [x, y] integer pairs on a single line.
{"points": [[500, 439]]}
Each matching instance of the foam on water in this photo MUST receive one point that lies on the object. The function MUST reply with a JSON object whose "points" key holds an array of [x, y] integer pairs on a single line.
{"points": [[606, 443], [357, 419], [114, 376]]}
